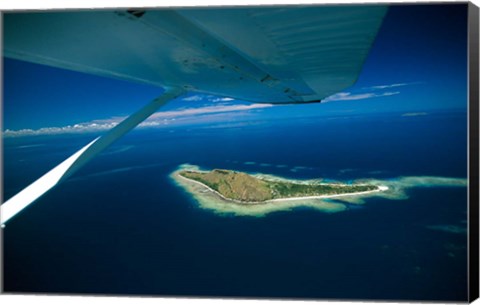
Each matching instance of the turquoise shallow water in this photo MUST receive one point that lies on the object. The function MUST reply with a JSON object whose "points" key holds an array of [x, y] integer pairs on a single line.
{"points": [[121, 226]]}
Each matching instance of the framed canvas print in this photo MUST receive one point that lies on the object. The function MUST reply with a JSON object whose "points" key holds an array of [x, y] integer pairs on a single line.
{"points": [[325, 152]]}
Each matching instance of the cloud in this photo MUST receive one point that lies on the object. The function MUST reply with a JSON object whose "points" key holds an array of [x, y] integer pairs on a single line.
{"points": [[181, 116], [69, 129], [222, 99], [207, 98], [368, 92], [193, 98], [388, 86], [206, 110], [348, 96]]}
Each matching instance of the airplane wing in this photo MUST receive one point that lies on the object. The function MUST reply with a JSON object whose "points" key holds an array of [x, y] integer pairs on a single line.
{"points": [[258, 54], [297, 54]]}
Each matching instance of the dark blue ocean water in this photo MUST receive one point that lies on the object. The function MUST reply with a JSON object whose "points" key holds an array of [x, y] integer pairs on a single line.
{"points": [[121, 226]]}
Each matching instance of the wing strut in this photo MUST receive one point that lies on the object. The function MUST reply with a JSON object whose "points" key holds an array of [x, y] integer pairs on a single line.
{"points": [[65, 169]]}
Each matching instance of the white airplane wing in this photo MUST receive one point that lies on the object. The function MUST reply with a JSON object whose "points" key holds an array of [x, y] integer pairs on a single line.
{"points": [[259, 54]]}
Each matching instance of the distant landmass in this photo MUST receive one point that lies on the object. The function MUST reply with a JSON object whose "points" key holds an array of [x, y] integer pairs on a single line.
{"points": [[229, 192], [244, 188]]}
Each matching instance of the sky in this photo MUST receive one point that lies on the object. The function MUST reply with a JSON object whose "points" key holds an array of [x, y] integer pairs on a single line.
{"points": [[417, 64]]}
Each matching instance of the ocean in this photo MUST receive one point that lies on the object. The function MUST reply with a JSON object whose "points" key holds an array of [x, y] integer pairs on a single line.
{"points": [[121, 226]]}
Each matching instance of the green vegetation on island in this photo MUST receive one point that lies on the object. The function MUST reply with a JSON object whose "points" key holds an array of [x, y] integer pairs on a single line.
{"points": [[246, 188]]}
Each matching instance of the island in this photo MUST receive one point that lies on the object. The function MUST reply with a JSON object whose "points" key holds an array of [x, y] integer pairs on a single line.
{"points": [[244, 188], [228, 192]]}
